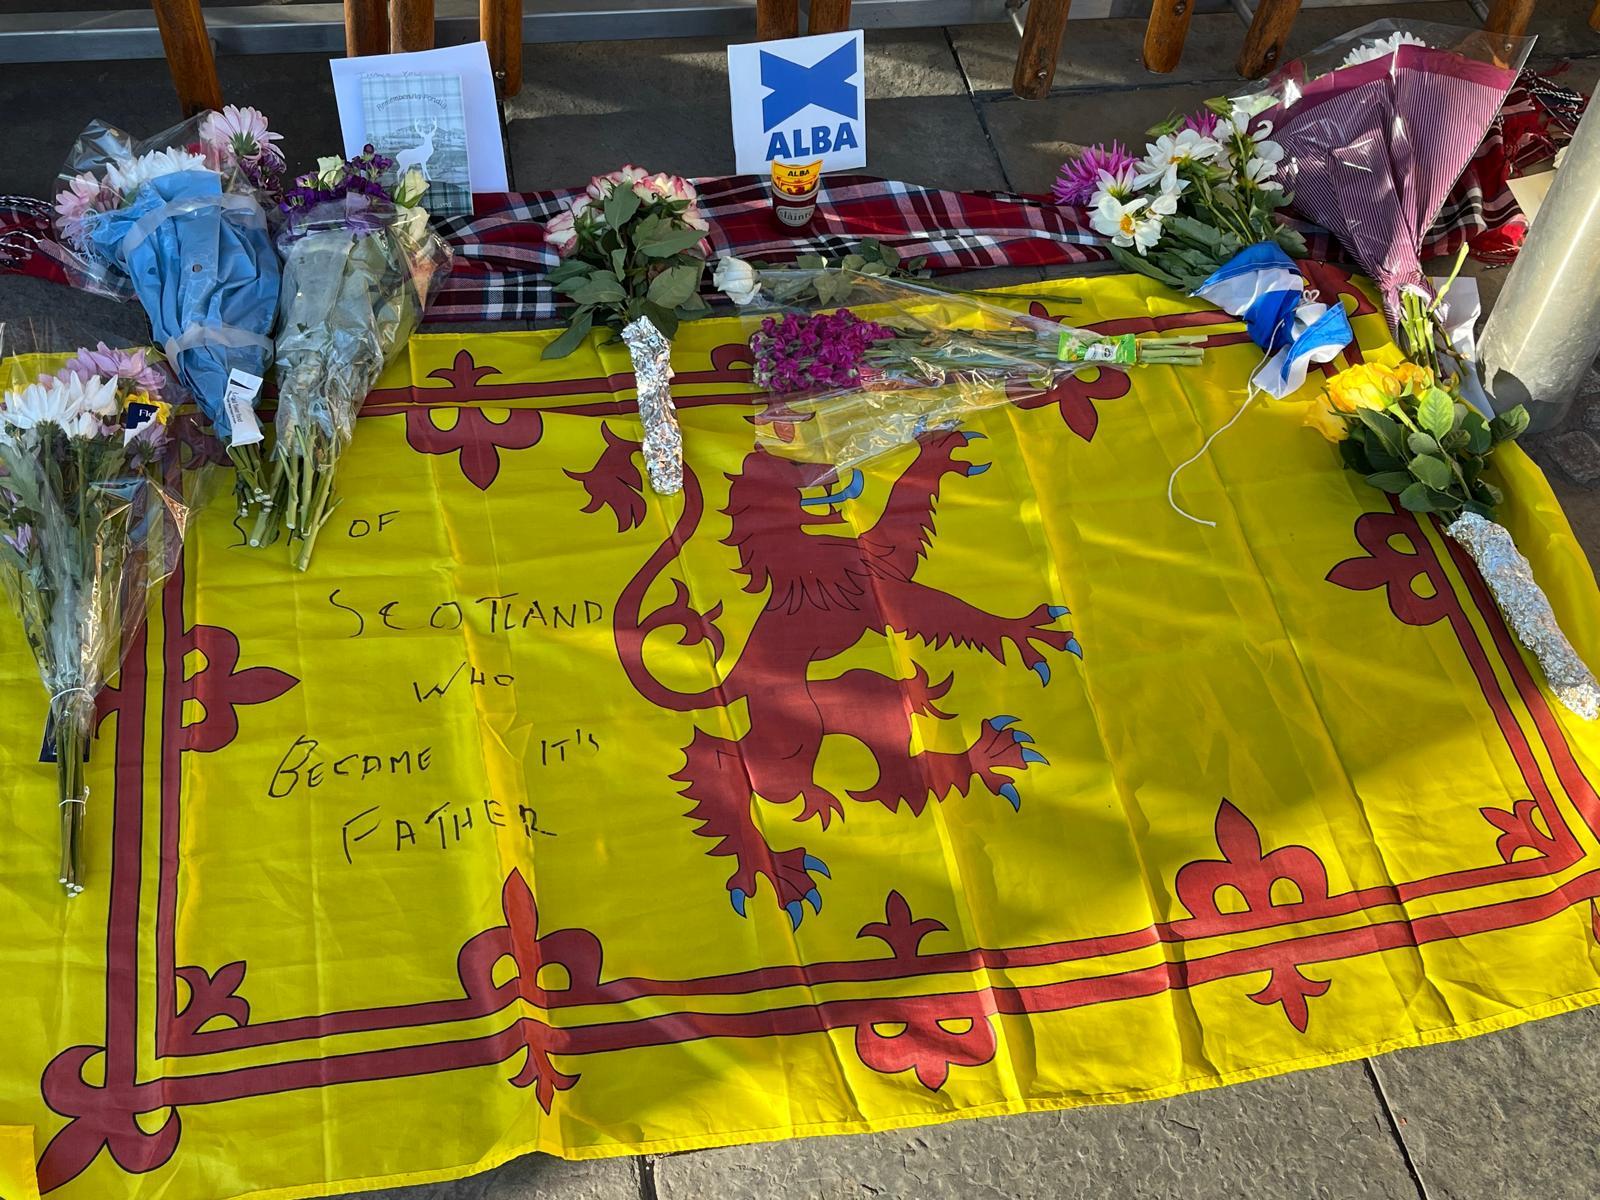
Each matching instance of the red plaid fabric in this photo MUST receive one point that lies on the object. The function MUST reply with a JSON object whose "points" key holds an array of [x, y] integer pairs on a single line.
{"points": [[499, 274], [502, 261]]}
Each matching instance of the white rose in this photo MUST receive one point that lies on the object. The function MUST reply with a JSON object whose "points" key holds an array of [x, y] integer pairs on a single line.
{"points": [[738, 280]]}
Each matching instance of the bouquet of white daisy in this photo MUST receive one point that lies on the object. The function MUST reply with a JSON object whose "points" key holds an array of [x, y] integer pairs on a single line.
{"points": [[1205, 189], [91, 518]]}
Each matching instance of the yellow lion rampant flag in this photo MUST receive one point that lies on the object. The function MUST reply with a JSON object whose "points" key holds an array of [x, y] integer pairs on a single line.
{"points": [[546, 813]]}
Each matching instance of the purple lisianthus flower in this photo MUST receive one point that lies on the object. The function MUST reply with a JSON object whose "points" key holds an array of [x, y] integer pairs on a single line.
{"points": [[1080, 176], [1203, 122]]}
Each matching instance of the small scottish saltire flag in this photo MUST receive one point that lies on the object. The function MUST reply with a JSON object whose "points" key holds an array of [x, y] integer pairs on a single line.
{"points": [[1262, 284]]}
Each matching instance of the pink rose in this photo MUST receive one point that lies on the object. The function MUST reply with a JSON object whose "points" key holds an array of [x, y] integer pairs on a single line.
{"points": [[561, 232], [602, 186]]}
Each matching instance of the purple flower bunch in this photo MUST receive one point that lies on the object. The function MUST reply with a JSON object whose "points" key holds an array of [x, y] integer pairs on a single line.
{"points": [[1079, 178], [360, 176], [800, 353]]}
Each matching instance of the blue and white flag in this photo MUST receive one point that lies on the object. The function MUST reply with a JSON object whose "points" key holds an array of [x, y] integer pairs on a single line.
{"points": [[1262, 284]]}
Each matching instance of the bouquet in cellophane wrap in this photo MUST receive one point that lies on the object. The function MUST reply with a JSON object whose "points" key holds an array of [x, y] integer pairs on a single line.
{"points": [[849, 387], [179, 221], [1375, 128], [92, 515], [360, 266]]}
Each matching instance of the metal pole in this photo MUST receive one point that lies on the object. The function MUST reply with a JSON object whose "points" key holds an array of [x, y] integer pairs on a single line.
{"points": [[1544, 331]]}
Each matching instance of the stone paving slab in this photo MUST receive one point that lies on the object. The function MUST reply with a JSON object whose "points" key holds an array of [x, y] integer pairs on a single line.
{"points": [[1034, 137], [1319, 1134], [533, 1177], [917, 137], [1512, 1116]]}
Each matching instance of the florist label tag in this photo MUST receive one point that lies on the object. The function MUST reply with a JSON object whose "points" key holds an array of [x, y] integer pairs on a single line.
{"points": [[239, 401], [799, 99]]}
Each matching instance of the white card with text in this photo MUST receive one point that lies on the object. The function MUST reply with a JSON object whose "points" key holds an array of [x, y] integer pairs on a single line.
{"points": [[799, 100]]}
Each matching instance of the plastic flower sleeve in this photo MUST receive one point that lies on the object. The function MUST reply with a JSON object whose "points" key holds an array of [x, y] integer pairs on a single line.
{"points": [[856, 385], [92, 516], [358, 276], [1377, 125]]}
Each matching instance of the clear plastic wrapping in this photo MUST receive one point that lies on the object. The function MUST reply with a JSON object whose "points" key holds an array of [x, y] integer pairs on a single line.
{"points": [[358, 275], [178, 220], [92, 516], [1377, 125], [852, 386]]}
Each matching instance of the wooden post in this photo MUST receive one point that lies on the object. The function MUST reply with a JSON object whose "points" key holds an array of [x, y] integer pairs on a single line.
{"points": [[189, 58], [1165, 32], [366, 27], [500, 22], [1041, 43], [410, 25], [1264, 40], [1594, 16], [1509, 17], [777, 19], [829, 16]]}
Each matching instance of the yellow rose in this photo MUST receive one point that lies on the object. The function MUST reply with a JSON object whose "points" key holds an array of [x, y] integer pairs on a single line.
{"points": [[1325, 421], [1365, 385], [1418, 379]]}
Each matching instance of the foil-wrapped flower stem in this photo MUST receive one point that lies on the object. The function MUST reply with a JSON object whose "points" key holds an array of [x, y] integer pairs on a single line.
{"points": [[652, 372], [1527, 610]]}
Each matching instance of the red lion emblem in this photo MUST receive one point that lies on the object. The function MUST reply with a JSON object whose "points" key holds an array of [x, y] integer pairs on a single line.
{"points": [[824, 592]]}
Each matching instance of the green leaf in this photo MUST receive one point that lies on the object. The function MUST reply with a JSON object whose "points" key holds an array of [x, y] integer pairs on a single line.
{"points": [[575, 284], [664, 319], [1134, 262], [567, 270], [1353, 451], [811, 262], [1455, 441], [600, 288], [1479, 439], [675, 285], [1436, 413], [619, 262], [669, 241], [1386, 427], [1434, 472], [1509, 424], [620, 206], [1416, 499], [572, 338], [1393, 482], [1487, 492]]}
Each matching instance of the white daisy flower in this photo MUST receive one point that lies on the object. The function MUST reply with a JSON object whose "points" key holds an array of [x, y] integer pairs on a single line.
{"points": [[132, 174], [1380, 48], [1130, 224], [1168, 152]]}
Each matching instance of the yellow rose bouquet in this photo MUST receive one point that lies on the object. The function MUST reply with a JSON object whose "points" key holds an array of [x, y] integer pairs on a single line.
{"points": [[1408, 433]]}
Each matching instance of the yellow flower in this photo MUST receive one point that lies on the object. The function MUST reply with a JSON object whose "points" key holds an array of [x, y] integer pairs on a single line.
{"points": [[1325, 421], [1414, 377], [1365, 385]]}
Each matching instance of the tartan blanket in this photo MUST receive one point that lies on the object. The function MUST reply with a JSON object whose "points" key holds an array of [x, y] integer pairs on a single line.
{"points": [[502, 263]]}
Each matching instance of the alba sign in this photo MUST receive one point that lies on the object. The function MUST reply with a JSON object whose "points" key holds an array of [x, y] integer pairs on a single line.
{"points": [[799, 100]]}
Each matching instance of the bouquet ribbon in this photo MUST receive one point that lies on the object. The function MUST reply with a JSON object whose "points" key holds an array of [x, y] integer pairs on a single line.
{"points": [[249, 211]]}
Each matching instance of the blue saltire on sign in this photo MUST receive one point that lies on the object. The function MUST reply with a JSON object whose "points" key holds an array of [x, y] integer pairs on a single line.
{"points": [[799, 100]]}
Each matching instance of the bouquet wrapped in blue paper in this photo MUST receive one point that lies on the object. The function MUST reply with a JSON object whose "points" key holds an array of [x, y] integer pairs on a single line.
{"points": [[179, 219]]}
